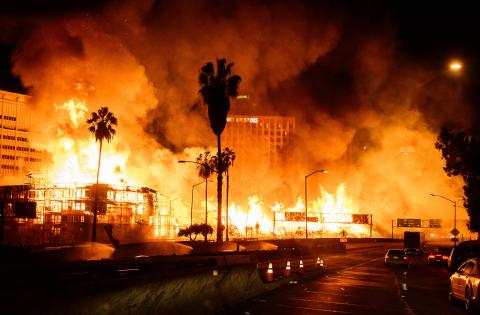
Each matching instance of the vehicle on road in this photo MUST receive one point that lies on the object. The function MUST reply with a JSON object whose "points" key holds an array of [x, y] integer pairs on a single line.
{"points": [[439, 256], [413, 242], [396, 257], [464, 283], [462, 252]]}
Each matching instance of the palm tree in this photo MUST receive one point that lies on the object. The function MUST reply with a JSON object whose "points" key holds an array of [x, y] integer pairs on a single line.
{"points": [[216, 90], [228, 157], [205, 169], [101, 126]]}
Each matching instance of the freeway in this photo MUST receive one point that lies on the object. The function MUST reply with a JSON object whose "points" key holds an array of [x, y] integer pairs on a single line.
{"points": [[358, 282]]}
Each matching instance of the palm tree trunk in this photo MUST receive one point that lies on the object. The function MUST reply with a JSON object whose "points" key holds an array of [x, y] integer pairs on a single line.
{"points": [[206, 204], [219, 194], [95, 204], [226, 208]]}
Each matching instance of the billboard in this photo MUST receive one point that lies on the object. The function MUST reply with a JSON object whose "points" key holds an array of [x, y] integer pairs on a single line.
{"points": [[409, 223]]}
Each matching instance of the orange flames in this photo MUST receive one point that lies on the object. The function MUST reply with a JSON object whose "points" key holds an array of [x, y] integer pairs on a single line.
{"points": [[75, 158], [75, 152]]}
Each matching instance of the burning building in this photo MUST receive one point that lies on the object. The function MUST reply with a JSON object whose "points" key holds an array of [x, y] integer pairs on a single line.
{"points": [[55, 213], [17, 121], [268, 134]]}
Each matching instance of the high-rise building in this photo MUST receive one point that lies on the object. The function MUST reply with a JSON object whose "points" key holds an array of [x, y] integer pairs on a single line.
{"points": [[17, 156], [257, 137]]}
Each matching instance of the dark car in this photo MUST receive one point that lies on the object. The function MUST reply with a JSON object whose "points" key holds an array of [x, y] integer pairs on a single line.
{"points": [[396, 257], [462, 252], [412, 251], [439, 256]]}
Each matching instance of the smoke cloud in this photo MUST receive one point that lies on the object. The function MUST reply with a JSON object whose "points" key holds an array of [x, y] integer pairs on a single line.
{"points": [[355, 98]]}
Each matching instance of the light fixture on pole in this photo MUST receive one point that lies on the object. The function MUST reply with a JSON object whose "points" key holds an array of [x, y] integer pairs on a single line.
{"points": [[306, 201], [454, 231]]}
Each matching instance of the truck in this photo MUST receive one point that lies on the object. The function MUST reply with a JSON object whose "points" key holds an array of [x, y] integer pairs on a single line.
{"points": [[413, 242]]}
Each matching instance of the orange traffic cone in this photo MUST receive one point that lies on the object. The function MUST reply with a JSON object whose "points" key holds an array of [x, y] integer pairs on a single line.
{"points": [[321, 263], [300, 267], [318, 262], [269, 276], [287, 271]]}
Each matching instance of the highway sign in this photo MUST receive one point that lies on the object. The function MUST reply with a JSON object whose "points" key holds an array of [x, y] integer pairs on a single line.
{"points": [[454, 232], [409, 223]]}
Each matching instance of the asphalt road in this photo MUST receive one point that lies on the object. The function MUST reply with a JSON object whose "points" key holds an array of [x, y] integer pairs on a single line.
{"points": [[358, 282]]}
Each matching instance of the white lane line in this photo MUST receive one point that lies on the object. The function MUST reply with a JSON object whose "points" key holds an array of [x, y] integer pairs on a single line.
{"points": [[328, 293], [312, 309]]}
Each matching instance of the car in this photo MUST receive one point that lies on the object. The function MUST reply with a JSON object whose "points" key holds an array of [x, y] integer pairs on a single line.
{"points": [[438, 256], [462, 252], [396, 257], [412, 251], [464, 283]]}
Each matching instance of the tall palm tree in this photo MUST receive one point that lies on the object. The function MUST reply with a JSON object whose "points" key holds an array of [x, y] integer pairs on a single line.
{"points": [[101, 126], [216, 90], [228, 157], [205, 169]]}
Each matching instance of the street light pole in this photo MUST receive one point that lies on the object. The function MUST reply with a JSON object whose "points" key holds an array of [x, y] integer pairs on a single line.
{"points": [[454, 202], [306, 201]]}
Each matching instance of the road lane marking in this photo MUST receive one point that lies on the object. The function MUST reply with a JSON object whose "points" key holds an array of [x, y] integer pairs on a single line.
{"points": [[328, 293], [312, 309]]}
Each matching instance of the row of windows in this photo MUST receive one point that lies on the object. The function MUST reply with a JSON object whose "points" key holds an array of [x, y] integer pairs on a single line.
{"points": [[8, 118], [7, 137], [8, 157], [10, 167], [12, 147]]}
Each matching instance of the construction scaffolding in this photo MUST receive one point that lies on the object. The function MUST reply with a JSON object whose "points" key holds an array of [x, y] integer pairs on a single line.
{"points": [[63, 213]]}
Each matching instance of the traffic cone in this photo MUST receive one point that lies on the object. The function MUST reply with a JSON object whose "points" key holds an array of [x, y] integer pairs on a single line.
{"points": [[319, 263], [300, 267], [287, 271], [269, 276]]}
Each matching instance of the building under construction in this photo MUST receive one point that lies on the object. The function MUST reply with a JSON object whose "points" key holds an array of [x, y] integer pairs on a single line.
{"points": [[63, 214]]}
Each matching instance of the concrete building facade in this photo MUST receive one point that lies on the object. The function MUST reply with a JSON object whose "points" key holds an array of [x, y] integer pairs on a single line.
{"points": [[17, 122]]}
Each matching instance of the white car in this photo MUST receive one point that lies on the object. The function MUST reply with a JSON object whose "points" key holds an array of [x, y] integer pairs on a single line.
{"points": [[464, 283]]}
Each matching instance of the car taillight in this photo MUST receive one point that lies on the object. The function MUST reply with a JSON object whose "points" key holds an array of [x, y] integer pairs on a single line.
{"points": [[404, 257], [445, 257], [431, 256]]}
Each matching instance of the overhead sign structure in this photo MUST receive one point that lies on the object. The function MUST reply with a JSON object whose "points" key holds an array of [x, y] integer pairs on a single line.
{"points": [[435, 223], [409, 223], [298, 217]]}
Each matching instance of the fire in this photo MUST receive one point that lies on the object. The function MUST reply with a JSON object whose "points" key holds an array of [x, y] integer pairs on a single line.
{"points": [[329, 215], [75, 152]]}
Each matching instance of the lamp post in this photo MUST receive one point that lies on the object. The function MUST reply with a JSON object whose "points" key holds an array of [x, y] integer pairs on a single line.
{"points": [[454, 215], [206, 201], [306, 201]]}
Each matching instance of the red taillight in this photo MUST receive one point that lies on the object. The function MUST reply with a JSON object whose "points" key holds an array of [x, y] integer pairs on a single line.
{"points": [[404, 257], [431, 256], [445, 257]]}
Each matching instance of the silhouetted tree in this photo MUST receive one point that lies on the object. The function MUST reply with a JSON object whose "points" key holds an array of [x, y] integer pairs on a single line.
{"points": [[101, 126], [188, 231], [461, 151], [216, 90], [205, 169], [205, 229], [228, 157]]}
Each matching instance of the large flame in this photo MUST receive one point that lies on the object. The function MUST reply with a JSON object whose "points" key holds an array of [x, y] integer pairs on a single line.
{"points": [[333, 213], [75, 151]]}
